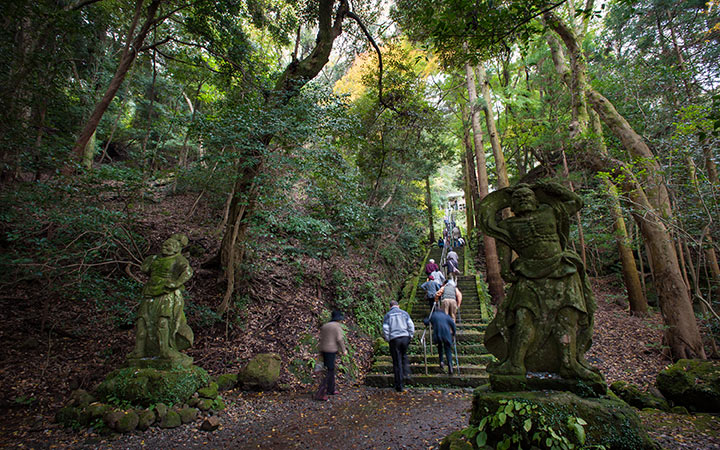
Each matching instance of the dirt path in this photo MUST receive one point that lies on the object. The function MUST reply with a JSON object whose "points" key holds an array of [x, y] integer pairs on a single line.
{"points": [[359, 418]]}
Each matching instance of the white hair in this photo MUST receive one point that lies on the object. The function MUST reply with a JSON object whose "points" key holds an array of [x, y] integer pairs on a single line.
{"points": [[432, 261]]}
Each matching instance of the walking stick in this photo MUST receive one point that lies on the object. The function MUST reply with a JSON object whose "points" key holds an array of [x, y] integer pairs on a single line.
{"points": [[457, 360], [422, 339]]}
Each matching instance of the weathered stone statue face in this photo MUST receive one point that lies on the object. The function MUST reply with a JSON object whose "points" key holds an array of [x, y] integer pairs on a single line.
{"points": [[523, 201], [161, 330], [171, 247], [545, 323]]}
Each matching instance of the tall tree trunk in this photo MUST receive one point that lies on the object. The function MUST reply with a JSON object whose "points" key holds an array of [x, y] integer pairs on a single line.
{"points": [[652, 205], [126, 60], [431, 215], [492, 262], [293, 78], [500, 166], [636, 297]]}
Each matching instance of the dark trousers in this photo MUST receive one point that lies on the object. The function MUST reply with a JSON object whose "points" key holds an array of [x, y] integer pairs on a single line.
{"points": [[329, 361], [445, 347], [401, 365]]}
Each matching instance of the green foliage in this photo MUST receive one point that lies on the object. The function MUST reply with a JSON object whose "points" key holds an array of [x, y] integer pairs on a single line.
{"points": [[523, 424]]}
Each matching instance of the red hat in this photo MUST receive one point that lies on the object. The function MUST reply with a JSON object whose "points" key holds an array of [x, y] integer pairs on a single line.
{"points": [[430, 277]]}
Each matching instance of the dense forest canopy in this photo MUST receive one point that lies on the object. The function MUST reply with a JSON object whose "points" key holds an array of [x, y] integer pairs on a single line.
{"points": [[304, 133]]}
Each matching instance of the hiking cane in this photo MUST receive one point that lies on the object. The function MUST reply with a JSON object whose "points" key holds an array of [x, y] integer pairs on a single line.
{"points": [[457, 360], [422, 339]]}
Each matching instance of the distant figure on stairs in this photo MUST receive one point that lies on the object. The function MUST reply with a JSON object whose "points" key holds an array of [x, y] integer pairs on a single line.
{"points": [[443, 327], [456, 235], [451, 262], [438, 276], [450, 298], [332, 341], [431, 267], [431, 287]]}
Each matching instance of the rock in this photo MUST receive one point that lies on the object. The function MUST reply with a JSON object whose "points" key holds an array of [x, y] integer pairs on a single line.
{"points": [[81, 398], [193, 401], [204, 404], [227, 381], [187, 415], [210, 423], [261, 372], [127, 422], [171, 420], [149, 386], [210, 391], [146, 419], [69, 416], [633, 396], [456, 441], [692, 383], [680, 410], [97, 410], [561, 416], [111, 419], [161, 410]]}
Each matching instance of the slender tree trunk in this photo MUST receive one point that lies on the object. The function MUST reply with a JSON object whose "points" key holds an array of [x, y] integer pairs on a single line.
{"points": [[128, 57], [468, 202], [431, 215], [500, 165], [492, 262]]}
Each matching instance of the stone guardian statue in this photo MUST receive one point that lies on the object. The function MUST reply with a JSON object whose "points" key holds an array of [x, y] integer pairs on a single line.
{"points": [[161, 331], [545, 323]]}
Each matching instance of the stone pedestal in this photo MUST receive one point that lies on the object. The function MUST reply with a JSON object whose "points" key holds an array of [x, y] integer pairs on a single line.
{"points": [[545, 418]]}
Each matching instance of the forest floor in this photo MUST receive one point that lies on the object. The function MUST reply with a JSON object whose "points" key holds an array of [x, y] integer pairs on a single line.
{"points": [[369, 418], [51, 347]]}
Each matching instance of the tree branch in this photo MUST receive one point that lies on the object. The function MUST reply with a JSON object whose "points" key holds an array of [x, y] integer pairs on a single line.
{"points": [[364, 29]]}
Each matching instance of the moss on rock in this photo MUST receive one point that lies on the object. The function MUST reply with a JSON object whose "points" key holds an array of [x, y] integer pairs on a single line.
{"points": [[127, 422], [210, 391], [520, 415], [692, 383], [187, 415], [227, 381], [633, 396], [172, 420], [145, 419], [145, 387], [261, 372]]}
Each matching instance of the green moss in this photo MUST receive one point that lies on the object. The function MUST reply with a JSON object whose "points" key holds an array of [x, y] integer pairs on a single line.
{"points": [[692, 383], [261, 372], [227, 381], [146, 387], [128, 422], [146, 418], [172, 420], [187, 415], [210, 391], [633, 396]]}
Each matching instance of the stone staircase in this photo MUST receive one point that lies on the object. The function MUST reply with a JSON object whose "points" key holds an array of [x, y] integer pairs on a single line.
{"points": [[472, 355]]}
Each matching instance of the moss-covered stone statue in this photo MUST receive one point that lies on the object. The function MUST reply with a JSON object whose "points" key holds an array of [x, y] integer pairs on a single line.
{"points": [[162, 332], [545, 324]]}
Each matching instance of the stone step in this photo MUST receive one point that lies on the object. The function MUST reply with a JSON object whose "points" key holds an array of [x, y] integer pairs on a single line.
{"points": [[433, 367], [473, 359], [462, 380]]}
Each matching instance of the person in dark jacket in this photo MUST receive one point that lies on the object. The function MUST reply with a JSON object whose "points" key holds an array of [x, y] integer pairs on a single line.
{"points": [[443, 333]]}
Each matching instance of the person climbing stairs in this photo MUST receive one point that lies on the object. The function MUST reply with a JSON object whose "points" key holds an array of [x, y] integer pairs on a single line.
{"points": [[471, 353]]}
